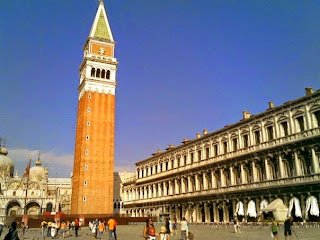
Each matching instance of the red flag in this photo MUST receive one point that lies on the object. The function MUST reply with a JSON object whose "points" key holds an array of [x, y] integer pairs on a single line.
{"points": [[25, 175], [26, 172]]}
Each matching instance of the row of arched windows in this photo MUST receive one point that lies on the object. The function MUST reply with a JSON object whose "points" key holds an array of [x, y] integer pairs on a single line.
{"points": [[100, 73]]}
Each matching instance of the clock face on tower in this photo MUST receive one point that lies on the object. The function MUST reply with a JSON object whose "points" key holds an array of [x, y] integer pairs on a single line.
{"points": [[101, 49]]}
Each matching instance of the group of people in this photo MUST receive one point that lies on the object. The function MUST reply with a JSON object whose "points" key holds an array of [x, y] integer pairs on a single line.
{"points": [[56, 229], [98, 227], [274, 228], [169, 229], [287, 229]]}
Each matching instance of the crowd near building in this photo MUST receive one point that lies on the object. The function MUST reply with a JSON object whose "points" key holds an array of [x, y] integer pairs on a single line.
{"points": [[34, 193], [236, 171]]}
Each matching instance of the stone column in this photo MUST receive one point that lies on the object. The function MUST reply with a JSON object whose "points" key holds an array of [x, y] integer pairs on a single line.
{"points": [[184, 209], [176, 212], [165, 189], [183, 187], [276, 128], [258, 206], [303, 207], [150, 192], [154, 190], [199, 213], [194, 214], [263, 134], [234, 205], [196, 180], [170, 212], [282, 173], [186, 212], [159, 190], [206, 212], [205, 180], [267, 167], [225, 212], [292, 126], [297, 163], [222, 178], [141, 193], [215, 212], [315, 161], [176, 186], [307, 118], [189, 184], [245, 207], [170, 187], [232, 176], [243, 174], [213, 180], [254, 171]]}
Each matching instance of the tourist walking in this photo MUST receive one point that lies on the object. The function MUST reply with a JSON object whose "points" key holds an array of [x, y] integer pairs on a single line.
{"points": [[274, 229], [163, 235], [23, 226], [184, 229], [111, 227], [100, 230], [1, 227], [43, 228], [287, 228], [168, 228], [115, 229], [149, 231], [95, 228], [236, 225], [13, 232], [174, 227], [76, 226], [63, 229], [49, 229]]}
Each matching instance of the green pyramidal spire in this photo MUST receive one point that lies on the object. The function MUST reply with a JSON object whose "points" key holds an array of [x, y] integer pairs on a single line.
{"points": [[100, 27]]}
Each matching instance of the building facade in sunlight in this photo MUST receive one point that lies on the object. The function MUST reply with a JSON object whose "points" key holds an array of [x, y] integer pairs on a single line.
{"points": [[34, 197], [238, 170], [93, 183]]}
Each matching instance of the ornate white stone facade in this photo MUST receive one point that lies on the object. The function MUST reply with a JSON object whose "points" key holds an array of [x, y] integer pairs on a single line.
{"points": [[44, 194], [236, 170]]}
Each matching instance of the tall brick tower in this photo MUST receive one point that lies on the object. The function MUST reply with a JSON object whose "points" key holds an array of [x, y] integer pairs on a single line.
{"points": [[92, 189]]}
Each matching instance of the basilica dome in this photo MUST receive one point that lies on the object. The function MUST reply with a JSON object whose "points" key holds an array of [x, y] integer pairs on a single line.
{"points": [[37, 172], [6, 163]]}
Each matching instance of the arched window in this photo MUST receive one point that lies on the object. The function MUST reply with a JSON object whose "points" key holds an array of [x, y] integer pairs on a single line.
{"points": [[108, 74], [103, 73], [98, 73], [49, 207], [93, 72]]}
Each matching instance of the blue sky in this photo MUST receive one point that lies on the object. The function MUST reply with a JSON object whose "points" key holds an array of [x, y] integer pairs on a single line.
{"points": [[184, 66]]}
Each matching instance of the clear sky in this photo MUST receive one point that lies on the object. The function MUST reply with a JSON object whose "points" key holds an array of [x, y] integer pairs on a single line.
{"points": [[185, 65]]}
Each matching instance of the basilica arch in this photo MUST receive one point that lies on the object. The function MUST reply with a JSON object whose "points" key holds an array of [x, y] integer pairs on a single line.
{"points": [[33, 208], [13, 208]]}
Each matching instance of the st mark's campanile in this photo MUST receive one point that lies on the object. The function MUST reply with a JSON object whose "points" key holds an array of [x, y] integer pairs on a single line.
{"points": [[92, 189]]}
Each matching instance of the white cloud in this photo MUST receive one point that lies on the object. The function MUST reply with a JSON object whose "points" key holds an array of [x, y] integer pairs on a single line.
{"points": [[59, 165]]}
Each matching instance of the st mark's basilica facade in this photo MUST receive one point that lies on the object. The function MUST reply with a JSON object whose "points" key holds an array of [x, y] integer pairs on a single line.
{"points": [[35, 196], [236, 171]]}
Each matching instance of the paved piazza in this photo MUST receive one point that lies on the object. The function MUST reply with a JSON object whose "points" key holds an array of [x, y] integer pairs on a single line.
{"points": [[200, 232]]}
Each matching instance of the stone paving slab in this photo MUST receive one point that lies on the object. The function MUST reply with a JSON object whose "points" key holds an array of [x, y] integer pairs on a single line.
{"points": [[134, 232]]}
